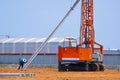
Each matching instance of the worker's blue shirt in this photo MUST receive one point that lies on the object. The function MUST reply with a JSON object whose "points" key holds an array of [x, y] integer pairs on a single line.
{"points": [[23, 61]]}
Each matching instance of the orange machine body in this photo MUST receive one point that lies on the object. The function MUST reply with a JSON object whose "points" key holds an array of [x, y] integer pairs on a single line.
{"points": [[73, 53]]}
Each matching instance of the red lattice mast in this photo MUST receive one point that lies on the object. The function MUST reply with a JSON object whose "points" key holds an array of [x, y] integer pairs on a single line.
{"points": [[87, 34]]}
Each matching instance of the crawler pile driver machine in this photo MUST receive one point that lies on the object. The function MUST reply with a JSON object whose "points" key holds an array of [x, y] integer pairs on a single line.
{"points": [[87, 55]]}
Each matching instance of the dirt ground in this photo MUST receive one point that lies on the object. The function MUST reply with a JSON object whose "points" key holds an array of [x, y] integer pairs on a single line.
{"points": [[53, 74]]}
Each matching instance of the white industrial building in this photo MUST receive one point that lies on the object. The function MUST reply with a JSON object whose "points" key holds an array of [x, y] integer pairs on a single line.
{"points": [[28, 45], [12, 49]]}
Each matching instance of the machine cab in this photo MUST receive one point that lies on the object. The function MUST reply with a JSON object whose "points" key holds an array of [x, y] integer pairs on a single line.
{"points": [[69, 42]]}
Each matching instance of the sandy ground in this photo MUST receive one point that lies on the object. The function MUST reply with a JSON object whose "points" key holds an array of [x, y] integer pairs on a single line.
{"points": [[53, 74]]}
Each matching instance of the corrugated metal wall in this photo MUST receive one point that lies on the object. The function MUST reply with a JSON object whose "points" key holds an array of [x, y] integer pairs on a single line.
{"points": [[52, 60], [41, 60], [112, 59]]}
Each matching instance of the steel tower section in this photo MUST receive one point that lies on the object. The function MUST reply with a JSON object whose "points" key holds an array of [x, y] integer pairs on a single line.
{"points": [[87, 27], [87, 33]]}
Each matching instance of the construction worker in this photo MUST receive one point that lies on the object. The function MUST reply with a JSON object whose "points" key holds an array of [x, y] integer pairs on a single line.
{"points": [[21, 63]]}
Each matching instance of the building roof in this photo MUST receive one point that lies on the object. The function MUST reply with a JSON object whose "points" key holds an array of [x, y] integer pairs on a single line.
{"points": [[112, 51], [28, 40]]}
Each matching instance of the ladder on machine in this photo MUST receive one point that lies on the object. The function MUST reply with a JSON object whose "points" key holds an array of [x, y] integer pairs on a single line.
{"points": [[48, 38]]}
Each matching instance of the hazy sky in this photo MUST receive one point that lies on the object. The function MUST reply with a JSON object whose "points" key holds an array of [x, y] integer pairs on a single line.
{"points": [[37, 18]]}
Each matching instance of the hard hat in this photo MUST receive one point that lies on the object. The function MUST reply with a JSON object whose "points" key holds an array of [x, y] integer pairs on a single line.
{"points": [[24, 60]]}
